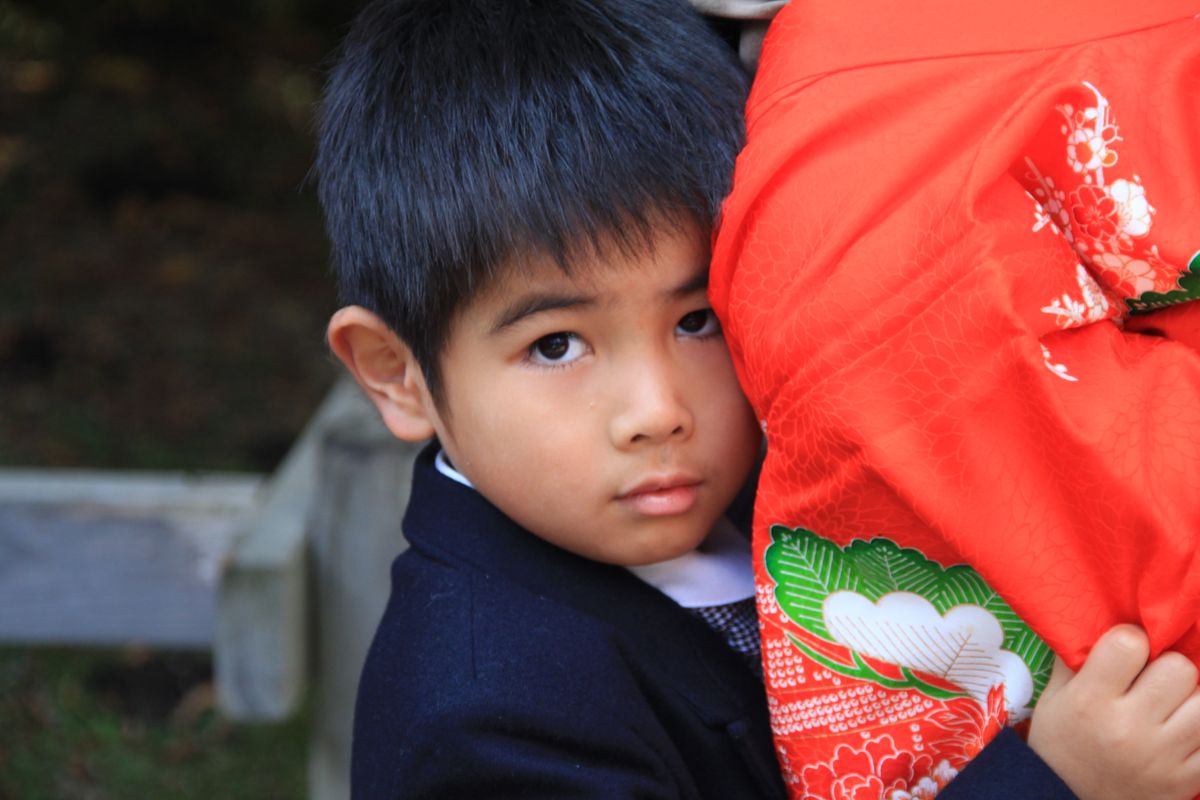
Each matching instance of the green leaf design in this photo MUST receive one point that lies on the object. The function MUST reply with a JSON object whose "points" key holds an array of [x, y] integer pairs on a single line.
{"points": [[961, 585], [1189, 289], [892, 568], [865, 671], [1033, 651], [964, 585], [807, 568]]}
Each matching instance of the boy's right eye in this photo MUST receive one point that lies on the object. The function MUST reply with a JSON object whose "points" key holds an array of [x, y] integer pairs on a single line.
{"points": [[556, 348]]}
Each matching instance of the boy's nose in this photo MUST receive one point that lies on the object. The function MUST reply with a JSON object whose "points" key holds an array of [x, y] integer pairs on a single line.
{"points": [[651, 410]]}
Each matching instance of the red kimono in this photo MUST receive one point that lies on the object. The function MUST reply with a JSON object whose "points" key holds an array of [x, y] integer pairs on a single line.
{"points": [[955, 275]]}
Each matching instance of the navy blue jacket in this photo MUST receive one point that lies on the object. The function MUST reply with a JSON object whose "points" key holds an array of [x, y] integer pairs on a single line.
{"points": [[507, 667]]}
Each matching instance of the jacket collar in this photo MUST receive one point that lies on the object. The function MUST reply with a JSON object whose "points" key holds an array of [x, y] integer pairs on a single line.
{"points": [[455, 523]]}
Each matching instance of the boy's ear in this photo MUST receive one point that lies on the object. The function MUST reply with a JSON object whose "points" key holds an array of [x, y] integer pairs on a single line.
{"points": [[386, 369]]}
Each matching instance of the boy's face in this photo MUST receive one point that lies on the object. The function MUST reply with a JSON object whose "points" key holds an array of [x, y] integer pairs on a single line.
{"points": [[600, 410]]}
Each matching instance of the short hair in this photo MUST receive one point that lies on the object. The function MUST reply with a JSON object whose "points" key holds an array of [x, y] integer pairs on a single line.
{"points": [[459, 135]]}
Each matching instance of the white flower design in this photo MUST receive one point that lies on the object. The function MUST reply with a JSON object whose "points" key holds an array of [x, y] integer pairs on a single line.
{"points": [[1085, 150], [1058, 369], [1089, 132], [964, 646], [925, 789], [1133, 276], [1091, 307], [1049, 203], [1107, 222], [943, 772], [1133, 209]]}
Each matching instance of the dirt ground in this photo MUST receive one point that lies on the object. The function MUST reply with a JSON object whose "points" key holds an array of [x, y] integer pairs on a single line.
{"points": [[163, 283]]}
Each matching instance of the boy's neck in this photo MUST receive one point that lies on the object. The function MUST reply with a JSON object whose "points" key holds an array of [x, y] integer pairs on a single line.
{"points": [[716, 573]]}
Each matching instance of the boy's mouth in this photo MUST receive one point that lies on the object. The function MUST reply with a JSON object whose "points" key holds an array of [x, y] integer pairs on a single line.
{"points": [[662, 495]]}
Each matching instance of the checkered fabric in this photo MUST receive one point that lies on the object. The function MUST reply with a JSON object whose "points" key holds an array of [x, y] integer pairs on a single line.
{"points": [[737, 623]]}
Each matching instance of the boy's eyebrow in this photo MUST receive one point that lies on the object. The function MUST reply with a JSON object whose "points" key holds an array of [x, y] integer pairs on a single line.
{"points": [[530, 304], [696, 283]]}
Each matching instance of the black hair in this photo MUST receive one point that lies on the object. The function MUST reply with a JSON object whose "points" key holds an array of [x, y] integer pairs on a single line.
{"points": [[458, 135]]}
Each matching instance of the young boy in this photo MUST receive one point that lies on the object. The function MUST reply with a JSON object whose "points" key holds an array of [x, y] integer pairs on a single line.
{"points": [[520, 197]]}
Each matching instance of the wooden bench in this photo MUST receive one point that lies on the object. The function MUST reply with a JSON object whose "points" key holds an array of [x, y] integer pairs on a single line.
{"points": [[284, 578]]}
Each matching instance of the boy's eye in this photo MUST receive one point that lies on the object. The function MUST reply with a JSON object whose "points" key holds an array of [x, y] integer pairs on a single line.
{"points": [[556, 348], [702, 322]]}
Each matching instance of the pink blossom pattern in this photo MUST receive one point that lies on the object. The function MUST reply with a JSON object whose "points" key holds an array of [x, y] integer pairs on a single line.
{"points": [[1093, 212], [1107, 221], [880, 768], [875, 770]]}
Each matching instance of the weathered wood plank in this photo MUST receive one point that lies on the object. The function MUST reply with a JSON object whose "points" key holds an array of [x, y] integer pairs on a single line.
{"points": [[110, 558], [261, 649], [136, 491], [355, 536]]}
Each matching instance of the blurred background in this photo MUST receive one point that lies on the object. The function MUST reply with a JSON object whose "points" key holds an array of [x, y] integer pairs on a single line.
{"points": [[163, 292]]}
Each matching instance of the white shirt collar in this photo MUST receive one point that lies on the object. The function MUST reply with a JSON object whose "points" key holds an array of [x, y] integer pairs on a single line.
{"points": [[715, 573], [443, 466]]}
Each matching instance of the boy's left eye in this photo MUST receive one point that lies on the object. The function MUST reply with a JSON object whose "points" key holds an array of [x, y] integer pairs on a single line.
{"points": [[701, 322], [557, 349]]}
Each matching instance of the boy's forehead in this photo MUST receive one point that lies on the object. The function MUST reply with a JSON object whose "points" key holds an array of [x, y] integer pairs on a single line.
{"points": [[673, 261], [591, 261]]}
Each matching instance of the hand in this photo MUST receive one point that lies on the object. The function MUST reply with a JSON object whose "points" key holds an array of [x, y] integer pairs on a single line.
{"points": [[1122, 728]]}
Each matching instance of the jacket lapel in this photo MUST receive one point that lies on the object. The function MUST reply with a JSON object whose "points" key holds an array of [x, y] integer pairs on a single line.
{"points": [[456, 523]]}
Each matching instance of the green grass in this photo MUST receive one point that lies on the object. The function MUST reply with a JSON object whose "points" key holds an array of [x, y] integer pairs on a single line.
{"points": [[94, 725]]}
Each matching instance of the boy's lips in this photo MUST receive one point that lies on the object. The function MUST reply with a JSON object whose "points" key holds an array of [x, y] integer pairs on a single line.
{"points": [[662, 495]]}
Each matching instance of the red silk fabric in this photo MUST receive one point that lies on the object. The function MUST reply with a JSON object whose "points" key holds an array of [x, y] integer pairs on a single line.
{"points": [[941, 216]]}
